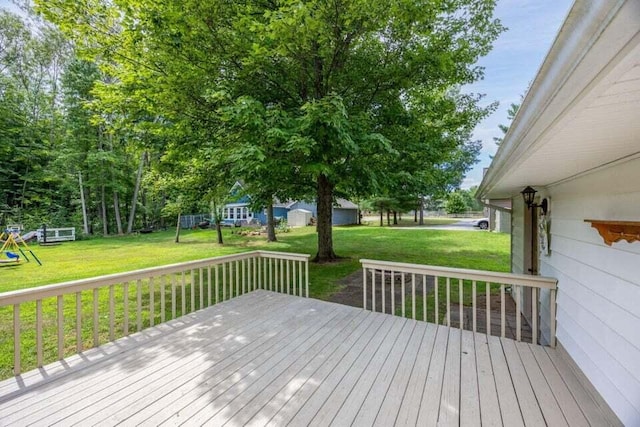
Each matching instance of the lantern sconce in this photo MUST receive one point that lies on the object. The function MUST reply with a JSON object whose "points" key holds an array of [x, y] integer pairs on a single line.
{"points": [[529, 194]]}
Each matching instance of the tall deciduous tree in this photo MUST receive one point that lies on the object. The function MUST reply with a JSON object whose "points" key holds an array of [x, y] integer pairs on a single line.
{"points": [[337, 70]]}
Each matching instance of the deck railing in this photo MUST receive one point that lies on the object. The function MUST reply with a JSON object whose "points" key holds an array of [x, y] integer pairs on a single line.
{"points": [[129, 302], [467, 299]]}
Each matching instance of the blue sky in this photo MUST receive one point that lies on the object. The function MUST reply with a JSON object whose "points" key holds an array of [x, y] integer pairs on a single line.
{"points": [[513, 63]]}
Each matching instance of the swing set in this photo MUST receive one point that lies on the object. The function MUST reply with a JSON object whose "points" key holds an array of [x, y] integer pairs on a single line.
{"points": [[14, 243]]}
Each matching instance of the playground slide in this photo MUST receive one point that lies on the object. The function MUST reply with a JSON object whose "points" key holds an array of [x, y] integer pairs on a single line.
{"points": [[26, 237]]}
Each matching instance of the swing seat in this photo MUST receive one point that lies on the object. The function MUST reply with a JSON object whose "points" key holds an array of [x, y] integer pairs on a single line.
{"points": [[12, 255]]}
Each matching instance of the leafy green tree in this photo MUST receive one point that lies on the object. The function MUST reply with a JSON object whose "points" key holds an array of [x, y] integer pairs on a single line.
{"points": [[336, 71], [455, 203]]}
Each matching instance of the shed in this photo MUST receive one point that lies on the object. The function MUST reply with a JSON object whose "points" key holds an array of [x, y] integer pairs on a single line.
{"points": [[298, 217]]}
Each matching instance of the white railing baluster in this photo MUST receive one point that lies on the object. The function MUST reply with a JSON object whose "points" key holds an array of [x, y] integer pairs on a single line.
{"points": [[16, 340], [403, 294], [448, 301], [294, 276], [503, 315], [288, 275], [96, 319], [271, 274], [60, 326], [78, 322], [300, 275], [192, 281], [424, 298], [393, 293], [201, 287], [373, 290], [413, 296], [163, 286], [244, 277], [552, 318], [152, 302], [364, 288], [209, 299], [487, 296], [281, 276], [183, 294], [139, 305], [125, 308], [384, 290], [111, 314], [534, 315], [473, 306], [224, 281], [306, 285], [216, 282], [173, 296], [518, 316], [39, 333], [460, 304], [437, 304], [237, 283]]}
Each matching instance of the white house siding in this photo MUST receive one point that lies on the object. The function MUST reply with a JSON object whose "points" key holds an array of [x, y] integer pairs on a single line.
{"points": [[598, 285]]}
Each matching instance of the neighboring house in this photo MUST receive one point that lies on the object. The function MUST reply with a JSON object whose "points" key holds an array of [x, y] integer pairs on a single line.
{"points": [[576, 140], [344, 211]]}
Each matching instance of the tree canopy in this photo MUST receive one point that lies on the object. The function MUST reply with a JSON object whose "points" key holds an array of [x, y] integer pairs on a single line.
{"points": [[309, 99]]}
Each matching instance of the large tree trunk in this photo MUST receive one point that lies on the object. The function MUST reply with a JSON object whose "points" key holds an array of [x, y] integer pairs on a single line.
{"points": [[85, 219], [271, 224], [116, 210], [421, 211], [177, 240], [217, 218], [325, 230], [415, 214], [136, 189], [103, 209], [381, 217], [395, 218]]}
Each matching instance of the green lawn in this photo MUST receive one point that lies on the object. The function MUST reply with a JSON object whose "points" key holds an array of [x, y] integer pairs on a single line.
{"points": [[88, 258]]}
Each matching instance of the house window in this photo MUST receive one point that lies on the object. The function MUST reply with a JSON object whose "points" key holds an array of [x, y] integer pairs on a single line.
{"points": [[244, 213], [231, 213]]}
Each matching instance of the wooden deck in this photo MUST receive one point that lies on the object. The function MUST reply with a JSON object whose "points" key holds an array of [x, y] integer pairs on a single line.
{"points": [[272, 359]]}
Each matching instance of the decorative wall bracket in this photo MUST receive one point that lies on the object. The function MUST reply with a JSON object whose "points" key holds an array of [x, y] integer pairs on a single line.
{"points": [[614, 231]]}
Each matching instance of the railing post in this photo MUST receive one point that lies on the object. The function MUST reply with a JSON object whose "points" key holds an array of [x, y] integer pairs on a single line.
{"points": [[306, 286], [16, 339], [552, 320], [364, 288]]}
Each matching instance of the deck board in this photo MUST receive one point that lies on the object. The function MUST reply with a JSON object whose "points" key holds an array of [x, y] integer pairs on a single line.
{"points": [[270, 359]]}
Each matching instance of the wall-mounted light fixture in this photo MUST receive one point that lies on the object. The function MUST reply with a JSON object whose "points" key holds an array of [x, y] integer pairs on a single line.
{"points": [[529, 194]]}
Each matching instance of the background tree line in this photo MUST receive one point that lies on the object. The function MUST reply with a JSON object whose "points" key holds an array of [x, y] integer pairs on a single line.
{"points": [[145, 109]]}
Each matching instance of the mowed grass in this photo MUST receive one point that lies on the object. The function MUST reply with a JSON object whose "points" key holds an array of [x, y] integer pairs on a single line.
{"points": [[89, 258]]}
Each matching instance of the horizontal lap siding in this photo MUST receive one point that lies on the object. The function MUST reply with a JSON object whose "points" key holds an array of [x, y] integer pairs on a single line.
{"points": [[598, 285]]}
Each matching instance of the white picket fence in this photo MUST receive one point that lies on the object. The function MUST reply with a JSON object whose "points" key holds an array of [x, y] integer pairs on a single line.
{"points": [[135, 300], [424, 286]]}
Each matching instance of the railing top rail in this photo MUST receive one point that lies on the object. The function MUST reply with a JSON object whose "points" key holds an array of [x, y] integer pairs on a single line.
{"points": [[461, 273], [40, 292], [284, 255]]}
